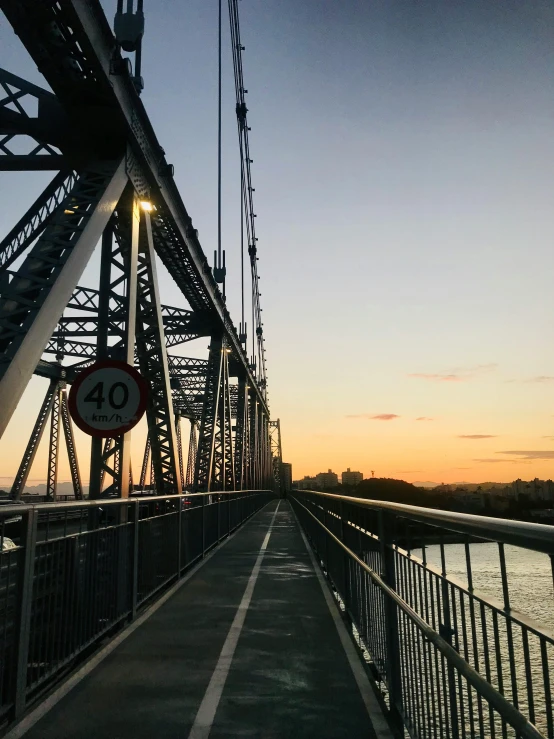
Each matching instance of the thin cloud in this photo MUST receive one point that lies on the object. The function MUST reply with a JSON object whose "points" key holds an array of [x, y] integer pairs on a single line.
{"points": [[437, 377], [496, 461], [457, 374], [541, 378], [477, 436], [378, 417], [547, 437], [533, 454], [424, 418]]}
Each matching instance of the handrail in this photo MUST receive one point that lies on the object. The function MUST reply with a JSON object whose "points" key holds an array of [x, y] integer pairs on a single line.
{"points": [[93, 578], [536, 536], [506, 709], [62, 505]]}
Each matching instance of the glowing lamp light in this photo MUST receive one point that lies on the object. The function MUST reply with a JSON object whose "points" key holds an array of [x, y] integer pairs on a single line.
{"points": [[146, 205]]}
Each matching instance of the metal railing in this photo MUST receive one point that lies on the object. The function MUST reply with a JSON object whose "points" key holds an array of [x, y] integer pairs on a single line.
{"points": [[73, 573], [452, 655]]}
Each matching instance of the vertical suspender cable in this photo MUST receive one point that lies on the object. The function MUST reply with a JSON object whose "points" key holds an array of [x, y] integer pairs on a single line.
{"points": [[258, 352], [219, 256], [243, 325]]}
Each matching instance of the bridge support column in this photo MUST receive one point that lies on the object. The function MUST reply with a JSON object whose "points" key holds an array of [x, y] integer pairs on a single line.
{"points": [[32, 446], [192, 457], [116, 314], [241, 437], [215, 469], [153, 364], [254, 481]]}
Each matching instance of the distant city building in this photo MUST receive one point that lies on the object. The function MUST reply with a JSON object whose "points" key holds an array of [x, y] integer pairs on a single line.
{"points": [[286, 476], [327, 479], [307, 483], [351, 478]]}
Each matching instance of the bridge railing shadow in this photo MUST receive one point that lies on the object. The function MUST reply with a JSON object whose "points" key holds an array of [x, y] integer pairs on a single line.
{"points": [[430, 597]]}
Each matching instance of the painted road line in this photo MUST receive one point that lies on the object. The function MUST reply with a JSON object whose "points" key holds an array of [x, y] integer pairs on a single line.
{"points": [[206, 713]]}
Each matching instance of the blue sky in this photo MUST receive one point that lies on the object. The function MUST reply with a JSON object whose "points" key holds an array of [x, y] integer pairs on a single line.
{"points": [[403, 166]]}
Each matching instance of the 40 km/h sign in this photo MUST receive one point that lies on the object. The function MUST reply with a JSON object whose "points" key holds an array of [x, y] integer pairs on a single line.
{"points": [[108, 398]]}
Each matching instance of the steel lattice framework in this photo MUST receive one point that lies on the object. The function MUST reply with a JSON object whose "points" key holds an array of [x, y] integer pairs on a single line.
{"points": [[93, 131]]}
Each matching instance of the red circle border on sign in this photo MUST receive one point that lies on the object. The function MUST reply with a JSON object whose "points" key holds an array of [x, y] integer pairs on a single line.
{"points": [[103, 364]]}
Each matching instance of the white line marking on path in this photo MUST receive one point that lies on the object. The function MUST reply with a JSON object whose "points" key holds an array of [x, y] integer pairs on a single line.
{"points": [[31, 719], [378, 721], [206, 713]]}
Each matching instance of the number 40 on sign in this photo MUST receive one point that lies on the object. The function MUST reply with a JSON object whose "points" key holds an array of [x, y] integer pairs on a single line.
{"points": [[108, 398]]}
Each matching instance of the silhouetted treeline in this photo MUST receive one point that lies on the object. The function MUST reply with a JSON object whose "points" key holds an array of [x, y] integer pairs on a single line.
{"points": [[397, 491], [400, 491]]}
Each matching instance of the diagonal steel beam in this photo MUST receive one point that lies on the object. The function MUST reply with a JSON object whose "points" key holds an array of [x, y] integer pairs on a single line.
{"points": [[35, 298], [34, 440], [35, 220]]}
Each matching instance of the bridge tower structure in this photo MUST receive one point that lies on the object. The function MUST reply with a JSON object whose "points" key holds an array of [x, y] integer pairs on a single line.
{"points": [[114, 190]]}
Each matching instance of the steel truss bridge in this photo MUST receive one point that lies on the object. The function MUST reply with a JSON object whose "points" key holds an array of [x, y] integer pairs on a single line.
{"points": [[212, 607], [93, 131]]}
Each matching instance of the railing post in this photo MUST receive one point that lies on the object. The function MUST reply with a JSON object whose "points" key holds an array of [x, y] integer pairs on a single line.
{"points": [[326, 540], [388, 574], [446, 631], [345, 558], [203, 525], [122, 596], [23, 633], [179, 536], [135, 561]]}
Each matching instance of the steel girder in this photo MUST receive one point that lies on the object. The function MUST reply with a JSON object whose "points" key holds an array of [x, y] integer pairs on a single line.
{"points": [[54, 448], [276, 451], [116, 316], [153, 364], [30, 307], [254, 467], [215, 468], [179, 435], [38, 134], [40, 158], [242, 436], [55, 406], [180, 325], [178, 329], [74, 48], [145, 461], [34, 440], [192, 457], [35, 220], [258, 452], [70, 446]]}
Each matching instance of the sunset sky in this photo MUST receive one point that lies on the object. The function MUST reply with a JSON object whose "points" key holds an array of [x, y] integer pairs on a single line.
{"points": [[404, 172]]}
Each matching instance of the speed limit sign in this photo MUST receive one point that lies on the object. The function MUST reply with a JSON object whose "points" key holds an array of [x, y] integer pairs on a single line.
{"points": [[108, 398]]}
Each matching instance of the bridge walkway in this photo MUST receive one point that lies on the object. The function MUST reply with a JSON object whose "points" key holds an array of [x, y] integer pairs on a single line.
{"points": [[250, 644]]}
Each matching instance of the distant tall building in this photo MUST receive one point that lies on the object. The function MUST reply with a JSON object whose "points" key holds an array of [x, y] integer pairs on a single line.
{"points": [[286, 477], [327, 479], [351, 478]]}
